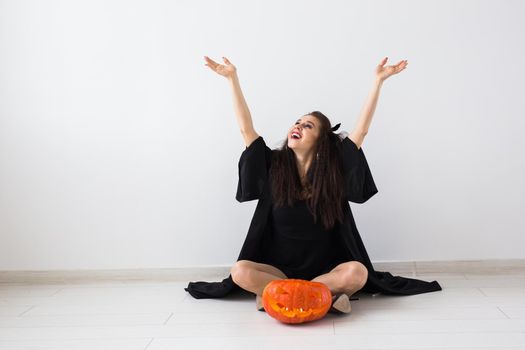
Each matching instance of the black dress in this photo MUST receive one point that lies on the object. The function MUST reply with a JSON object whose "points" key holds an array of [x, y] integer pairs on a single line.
{"points": [[300, 247], [359, 186]]}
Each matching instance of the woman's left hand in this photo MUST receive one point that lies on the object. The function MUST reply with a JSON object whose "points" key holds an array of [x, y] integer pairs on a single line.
{"points": [[383, 72]]}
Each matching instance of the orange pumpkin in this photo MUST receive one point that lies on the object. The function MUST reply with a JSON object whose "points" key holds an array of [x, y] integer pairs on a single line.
{"points": [[296, 300]]}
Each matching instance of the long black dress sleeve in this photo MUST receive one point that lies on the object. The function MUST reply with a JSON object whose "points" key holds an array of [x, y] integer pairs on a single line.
{"points": [[254, 164], [359, 184]]}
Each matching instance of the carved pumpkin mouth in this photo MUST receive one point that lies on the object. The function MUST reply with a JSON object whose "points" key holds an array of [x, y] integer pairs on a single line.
{"points": [[284, 310]]}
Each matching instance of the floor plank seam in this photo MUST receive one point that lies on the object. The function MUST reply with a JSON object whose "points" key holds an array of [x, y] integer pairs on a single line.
{"points": [[503, 312], [58, 291], [147, 345], [165, 322], [30, 308]]}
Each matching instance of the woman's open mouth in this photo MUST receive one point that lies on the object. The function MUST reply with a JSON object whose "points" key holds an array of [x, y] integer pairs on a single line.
{"points": [[295, 135]]}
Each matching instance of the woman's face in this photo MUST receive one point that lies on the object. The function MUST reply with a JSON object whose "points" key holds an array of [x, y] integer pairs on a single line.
{"points": [[308, 129]]}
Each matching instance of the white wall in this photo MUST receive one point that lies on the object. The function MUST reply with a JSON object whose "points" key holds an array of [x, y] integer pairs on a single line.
{"points": [[119, 147]]}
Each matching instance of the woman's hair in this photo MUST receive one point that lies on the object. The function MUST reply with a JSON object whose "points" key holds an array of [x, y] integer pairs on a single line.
{"points": [[324, 180]]}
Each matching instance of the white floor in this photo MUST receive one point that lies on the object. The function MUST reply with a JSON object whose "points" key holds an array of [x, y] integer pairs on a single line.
{"points": [[473, 311]]}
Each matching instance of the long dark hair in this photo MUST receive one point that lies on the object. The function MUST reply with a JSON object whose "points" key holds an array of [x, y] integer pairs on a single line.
{"points": [[323, 183]]}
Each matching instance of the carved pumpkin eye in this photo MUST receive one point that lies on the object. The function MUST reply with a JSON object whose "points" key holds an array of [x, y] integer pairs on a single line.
{"points": [[296, 301]]}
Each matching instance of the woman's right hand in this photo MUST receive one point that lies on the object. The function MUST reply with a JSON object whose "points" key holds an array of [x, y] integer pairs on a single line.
{"points": [[227, 70]]}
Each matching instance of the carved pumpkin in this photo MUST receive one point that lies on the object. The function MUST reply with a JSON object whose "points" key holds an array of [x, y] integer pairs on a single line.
{"points": [[296, 300]]}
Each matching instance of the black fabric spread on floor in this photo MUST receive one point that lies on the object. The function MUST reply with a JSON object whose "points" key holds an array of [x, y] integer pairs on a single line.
{"points": [[359, 186]]}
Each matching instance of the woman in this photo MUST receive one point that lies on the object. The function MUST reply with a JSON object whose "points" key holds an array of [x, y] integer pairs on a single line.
{"points": [[303, 227]]}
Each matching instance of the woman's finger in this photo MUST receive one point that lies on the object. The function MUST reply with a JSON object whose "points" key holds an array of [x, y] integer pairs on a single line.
{"points": [[211, 67], [211, 62]]}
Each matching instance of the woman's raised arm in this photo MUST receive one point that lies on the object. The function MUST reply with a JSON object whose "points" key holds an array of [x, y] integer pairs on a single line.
{"points": [[360, 130], [242, 111]]}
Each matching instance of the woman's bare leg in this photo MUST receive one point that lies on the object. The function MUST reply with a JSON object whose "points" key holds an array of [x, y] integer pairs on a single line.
{"points": [[253, 276], [348, 278]]}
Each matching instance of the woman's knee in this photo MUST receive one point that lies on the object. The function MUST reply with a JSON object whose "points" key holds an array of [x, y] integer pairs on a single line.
{"points": [[243, 269], [355, 273], [240, 271]]}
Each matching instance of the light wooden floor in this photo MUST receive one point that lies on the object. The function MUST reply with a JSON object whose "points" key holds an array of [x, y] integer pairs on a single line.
{"points": [[474, 311]]}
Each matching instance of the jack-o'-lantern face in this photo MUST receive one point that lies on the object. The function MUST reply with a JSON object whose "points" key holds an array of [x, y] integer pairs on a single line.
{"points": [[296, 300]]}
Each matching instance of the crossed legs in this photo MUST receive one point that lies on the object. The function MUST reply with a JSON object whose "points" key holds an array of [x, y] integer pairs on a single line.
{"points": [[347, 277]]}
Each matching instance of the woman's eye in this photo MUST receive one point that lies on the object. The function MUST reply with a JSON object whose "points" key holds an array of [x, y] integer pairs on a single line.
{"points": [[307, 125]]}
